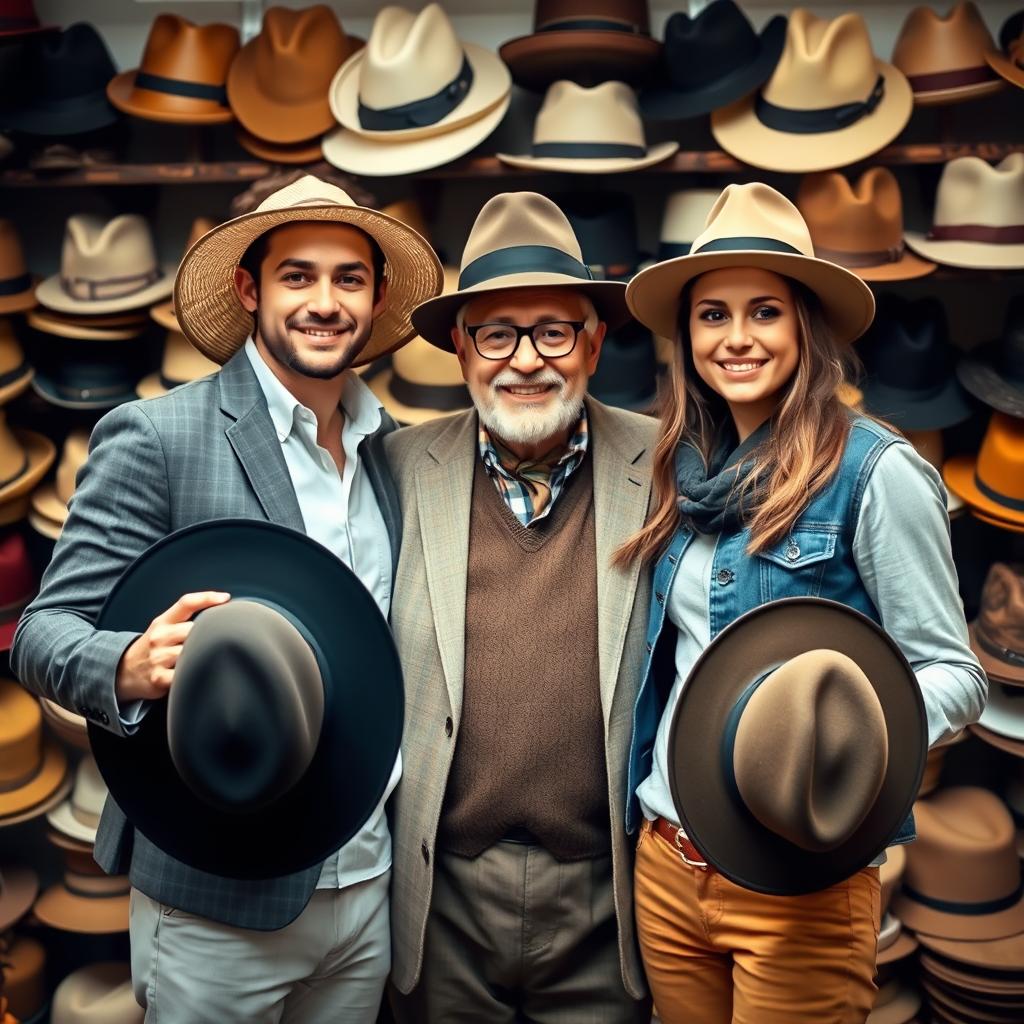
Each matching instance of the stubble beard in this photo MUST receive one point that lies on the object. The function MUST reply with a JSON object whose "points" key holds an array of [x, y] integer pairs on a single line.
{"points": [[285, 352]]}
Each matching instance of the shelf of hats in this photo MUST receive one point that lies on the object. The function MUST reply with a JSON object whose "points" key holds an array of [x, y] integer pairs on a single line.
{"points": [[129, 129]]}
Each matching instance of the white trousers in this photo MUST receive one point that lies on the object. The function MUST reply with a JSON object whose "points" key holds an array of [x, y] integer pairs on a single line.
{"points": [[328, 965]]}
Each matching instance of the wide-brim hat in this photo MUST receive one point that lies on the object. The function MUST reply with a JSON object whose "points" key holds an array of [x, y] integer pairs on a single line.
{"points": [[954, 972], [308, 151], [995, 954], [82, 330], [19, 887], [518, 240], [49, 787], [95, 382], [909, 409], [101, 911], [896, 1003], [99, 993], [208, 308], [713, 815], [894, 942], [753, 225], [15, 381], [39, 453], [17, 284], [1009, 65], [363, 701], [953, 1005], [68, 726], [989, 480], [1004, 713], [978, 373]]}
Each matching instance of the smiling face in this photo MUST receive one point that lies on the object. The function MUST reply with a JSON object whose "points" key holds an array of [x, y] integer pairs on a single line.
{"points": [[315, 298]]}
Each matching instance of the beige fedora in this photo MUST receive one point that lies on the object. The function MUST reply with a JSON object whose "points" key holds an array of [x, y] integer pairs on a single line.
{"points": [[15, 370], [163, 312], [1010, 64], [829, 102], [945, 59], [518, 240], [17, 285], [753, 226], [584, 130], [979, 215], [207, 305], [79, 815], [69, 727], [684, 218], [895, 1003], [50, 501], [106, 265], [417, 96], [85, 900], [82, 330], [25, 456], [99, 993], [181, 363]]}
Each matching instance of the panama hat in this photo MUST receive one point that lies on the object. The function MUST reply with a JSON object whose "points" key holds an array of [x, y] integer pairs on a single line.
{"points": [[993, 480], [994, 373], [979, 215], [180, 364], [829, 102], [279, 80], [18, 585], [18, 889], [85, 900], [163, 312], [792, 765], [242, 797], [99, 993], [945, 59], [753, 226], [79, 815], [305, 151], [594, 130], [206, 303], [997, 634], [50, 501], [860, 226], [1009, 64], [15, 370], [17, 285], [518, 240], [25, 456]]}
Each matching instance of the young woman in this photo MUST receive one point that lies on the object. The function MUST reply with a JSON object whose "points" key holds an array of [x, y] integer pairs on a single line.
{"points": [[767, 486]]}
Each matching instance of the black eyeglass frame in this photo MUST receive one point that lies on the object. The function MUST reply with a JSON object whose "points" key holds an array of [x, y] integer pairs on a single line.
{"points": [[525, 330]]}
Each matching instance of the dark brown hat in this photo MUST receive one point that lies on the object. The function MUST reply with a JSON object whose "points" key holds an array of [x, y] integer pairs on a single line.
{"points": [[997, 634]]}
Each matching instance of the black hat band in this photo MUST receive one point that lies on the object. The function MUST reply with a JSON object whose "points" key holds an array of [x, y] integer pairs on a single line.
{"points": [[740, 243], [993, 495], [91, 290], [673, 250], [963, 909], [1015, 658], [179, 87], [592, 25], [443, 397], [522, 259], [15, 285], [419, 113], [589, 150], [820, 120]]}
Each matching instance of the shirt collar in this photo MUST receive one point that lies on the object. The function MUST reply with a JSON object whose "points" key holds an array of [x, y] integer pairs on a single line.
{"points": [[578, 442]]}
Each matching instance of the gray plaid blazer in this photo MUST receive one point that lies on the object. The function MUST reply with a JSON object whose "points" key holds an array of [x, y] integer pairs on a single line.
{"points": [[207, 450]]}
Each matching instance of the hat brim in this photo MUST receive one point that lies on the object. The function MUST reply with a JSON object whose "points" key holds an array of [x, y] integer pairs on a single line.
{"points": [[48, 390], [1006, 69], [64, 821], [1001, 524], [968, 255], [958, 474], [1005, 716], [903, 947], [1000, 671], [960, 94], [306, 151], [50, 293], [213, 319], [17, 893], [39, 320], [48, 787], [585, 56], [739, 132], [435, 318], [68, 726], [88, 114], [606, 165], [900, 1010], [163, 314], [46, 503], [954, 1004], [491, 84], [667, 104], [40, 452], [374, 157], [999, 954], [848, 303], [908, 267], [953, 972], [722, 829], [11, 391], [928, 921], [407, 415], [909, 412], [20, 302], [362, 725], [163, 107], [980, 377], [86, 915]]}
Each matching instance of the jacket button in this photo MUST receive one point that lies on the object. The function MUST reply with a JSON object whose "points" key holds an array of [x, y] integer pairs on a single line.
{"points": [[449, 726], [104, 718], [792, 552], [425, 852], [725, 577]]}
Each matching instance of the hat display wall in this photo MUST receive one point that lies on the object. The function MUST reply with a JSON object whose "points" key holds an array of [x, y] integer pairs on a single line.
{"points": [[183, 74], [994, 373], [25, 456], [931, 447], [89, 374], [793, 765], [15, 371], [180, 364], [18, 584], [829, 102], [860, 226], [945, 59], [163, 312], [518, 240], [979, 215], [586, 41], [79, 815], [604, 224], [279, 80], [753, 225], [1009, 64], [711, 60], [992, 482], [416, 97], [18, 889], [85, 900], [17, 285], [50, 501], [997, 634], [19, 18], [99, 993], [24, 978], [583, 130]]}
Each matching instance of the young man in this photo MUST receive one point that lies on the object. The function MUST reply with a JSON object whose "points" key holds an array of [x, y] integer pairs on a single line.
{"points": [[288, 298], [521, 648]]}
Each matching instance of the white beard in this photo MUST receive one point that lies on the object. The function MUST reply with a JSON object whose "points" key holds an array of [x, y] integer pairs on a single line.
{"points": [[530, 423]]}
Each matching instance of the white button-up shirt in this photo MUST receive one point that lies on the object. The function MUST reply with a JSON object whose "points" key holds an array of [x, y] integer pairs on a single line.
{"points": [[341, 512]]}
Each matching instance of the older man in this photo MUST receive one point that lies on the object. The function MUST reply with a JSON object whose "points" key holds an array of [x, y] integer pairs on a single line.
{"points": [[521, 647]]}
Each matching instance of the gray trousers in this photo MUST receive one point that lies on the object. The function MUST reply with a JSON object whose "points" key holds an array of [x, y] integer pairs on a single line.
{"points": [[328, 965], [516, 936]]}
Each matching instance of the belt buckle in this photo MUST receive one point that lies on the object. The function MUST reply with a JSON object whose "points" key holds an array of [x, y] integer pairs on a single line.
{"points": [[701, 865]]}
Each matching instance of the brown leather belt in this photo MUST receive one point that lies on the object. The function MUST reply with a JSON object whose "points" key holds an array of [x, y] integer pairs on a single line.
{"points": [[676, 838]]}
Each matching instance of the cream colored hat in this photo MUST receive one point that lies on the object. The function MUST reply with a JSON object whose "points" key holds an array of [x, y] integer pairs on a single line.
{"points": [[830, 101], [106, 265], [71, 728], [979, 215], [163, 313], [15, 371], [99, 993], [207, 305], [753, 226], [25, 456], [79, 816], [590, 131], [415, 97], [518, 240], [50, 501], [181, 363], [895, 1003], [684, 218]]}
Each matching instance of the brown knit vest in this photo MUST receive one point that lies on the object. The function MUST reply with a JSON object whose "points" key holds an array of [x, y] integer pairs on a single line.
{"points": [[530, 749]]}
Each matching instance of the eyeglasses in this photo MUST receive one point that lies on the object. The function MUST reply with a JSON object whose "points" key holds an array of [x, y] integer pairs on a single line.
{"points": [[552, 339]]}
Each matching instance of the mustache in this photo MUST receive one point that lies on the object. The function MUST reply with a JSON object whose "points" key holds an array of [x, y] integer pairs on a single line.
{"points": [[513, 378]]}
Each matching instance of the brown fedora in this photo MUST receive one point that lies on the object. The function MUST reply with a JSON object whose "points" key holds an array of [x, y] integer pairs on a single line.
{"points": [[305, 151], [25, 456], [955, 972], [24, 977], [945, 59], [1010, 63], [181, 363], [997, 634], [860, 226], [792, 766], [963, 877], [85, 900], [182, 76], [17, 285], [18, 889], [50, 500], [163, 312], [992, 482], [279, 81], [15, 370]]}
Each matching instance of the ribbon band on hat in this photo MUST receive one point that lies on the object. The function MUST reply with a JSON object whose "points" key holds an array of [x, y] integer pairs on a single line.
{"points": [[15, 285], [998, 651], [740, 243], [673, 250], [15, 783], [420, 113], [20, 471], [729, 730], [522, 259], [89, 290], [937, 80], [95, 887], [443, 397], [822, 119], [181, 87], [16, 374], [589, 150], [966, 909], [1007, 234], [872, 258], [993, 495], [592, 25]]}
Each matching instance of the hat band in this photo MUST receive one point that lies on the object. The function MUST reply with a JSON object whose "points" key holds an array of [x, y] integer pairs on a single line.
{"points": [[971, 909], [739, 243], [1010, 234], [419, 113], [1015, 658], [16, 374], [822, 119], [11, 784], [95, 887], [592, 25], [180, 87], [89, 290], [728, 747], [951, 79], [86, 393], [673, 250], [589, 150], [444, 397], [522, 259], [993, 495], [22, 469], [868, 258], [15, 285]]}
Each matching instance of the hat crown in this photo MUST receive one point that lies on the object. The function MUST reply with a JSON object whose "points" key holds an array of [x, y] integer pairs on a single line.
{"points": [[930, 42], [21, 735], [908, 345], [1001, 456], [755, 210], [101, 251], [705, 48], [824, 63], [298, 51], [182, 361], [17, 578], [97, 994], [12, 256], [686, 214], [73, 62], [89, 792], [1001, 616], [72, 458], [848, 219], [631, 14], [575, 113], [973, 191], [305, 191], [178, 48], [12, 452], [12, 357]]}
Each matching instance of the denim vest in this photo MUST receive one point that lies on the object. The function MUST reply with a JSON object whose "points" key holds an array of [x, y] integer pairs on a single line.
{"points": [[815, 560]]}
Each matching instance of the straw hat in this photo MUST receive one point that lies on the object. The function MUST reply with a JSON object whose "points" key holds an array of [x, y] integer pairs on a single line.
{"points": [[993, 480], [181, 79], [997, 634], [24, 978], [25, 456], [994, 373], [945, 59], [979, 215], [85, 900], [416, 97], [163, 312], [83, 329], [305, 151], [1010, 63], [860, 226], [207, 305], [584, 130], [18, 889], [15, 371], [895, 1003], [518, 240], [181, 363], [18, 584], [99, 993], [753, 226], [33, 767], [279, 80], [829, 102], [79, 815], [68, 726], [106, 266], [17, 285], [50, 500]]}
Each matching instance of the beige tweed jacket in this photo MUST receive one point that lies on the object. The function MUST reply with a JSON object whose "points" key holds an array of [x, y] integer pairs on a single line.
{"points": [[433, 469]]}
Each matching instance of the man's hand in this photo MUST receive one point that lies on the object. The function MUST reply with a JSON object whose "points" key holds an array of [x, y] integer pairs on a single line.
{"points": [[146, 668]]}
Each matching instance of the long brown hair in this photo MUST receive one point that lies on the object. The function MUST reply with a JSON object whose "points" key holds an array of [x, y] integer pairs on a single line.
{"points": [[810, 426]]}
